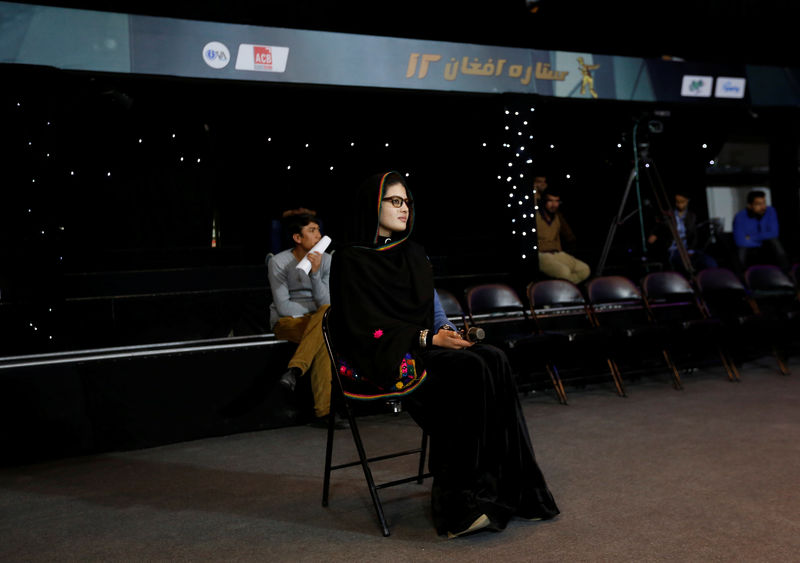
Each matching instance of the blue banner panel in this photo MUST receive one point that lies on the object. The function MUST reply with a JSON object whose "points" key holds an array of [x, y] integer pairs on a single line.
{"points": [[108, 42]]}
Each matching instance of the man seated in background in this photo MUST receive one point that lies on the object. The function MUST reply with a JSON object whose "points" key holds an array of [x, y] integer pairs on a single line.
{"points": [[299, 301], [755, 231], [553, 231], [686, 224]]}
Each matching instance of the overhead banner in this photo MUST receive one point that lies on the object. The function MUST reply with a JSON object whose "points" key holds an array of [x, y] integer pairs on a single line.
{"points": [[107, 42]]}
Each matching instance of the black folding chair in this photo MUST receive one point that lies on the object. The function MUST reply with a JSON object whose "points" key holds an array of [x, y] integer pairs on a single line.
{"points": [[452, 307], [776, 296], [747, 330], [498, 309], [558, 307], [673, 302], [769, 285], [340, 401], [618, 303]]}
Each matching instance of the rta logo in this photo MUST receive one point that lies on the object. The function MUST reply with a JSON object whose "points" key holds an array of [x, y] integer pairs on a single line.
{"points": [[262, 56], [211, 54], [216, 55]]}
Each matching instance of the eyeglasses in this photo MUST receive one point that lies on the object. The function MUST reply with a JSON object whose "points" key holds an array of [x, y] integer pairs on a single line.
{"points": [[398, 201]]}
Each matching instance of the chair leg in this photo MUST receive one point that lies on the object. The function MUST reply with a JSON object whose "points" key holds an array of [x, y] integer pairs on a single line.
{"points": [[676, 378], [326, 483], [781, 364], [422, 455], [617, 376], [730, 366], [362, 456], [558, 385]]}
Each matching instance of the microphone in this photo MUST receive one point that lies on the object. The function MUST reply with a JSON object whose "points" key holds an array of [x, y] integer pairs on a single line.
{"points": [[475, 334]]}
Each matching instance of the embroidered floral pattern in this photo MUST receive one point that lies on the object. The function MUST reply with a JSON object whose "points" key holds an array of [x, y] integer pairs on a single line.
{"points": [[408, 372], [347, 371], [407, 380]]}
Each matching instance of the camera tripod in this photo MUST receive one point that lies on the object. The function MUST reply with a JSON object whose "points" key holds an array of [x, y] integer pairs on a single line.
{"points": [[644, 161]]}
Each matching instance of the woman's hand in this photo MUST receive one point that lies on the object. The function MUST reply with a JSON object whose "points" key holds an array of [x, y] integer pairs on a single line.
{"points": [[450, 339]]}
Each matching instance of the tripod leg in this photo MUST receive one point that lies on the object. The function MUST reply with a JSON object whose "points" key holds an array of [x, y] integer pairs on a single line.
{"points": [[617, 221]]}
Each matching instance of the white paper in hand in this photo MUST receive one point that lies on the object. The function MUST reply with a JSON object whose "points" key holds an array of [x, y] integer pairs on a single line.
{"points": [[320, 247]]}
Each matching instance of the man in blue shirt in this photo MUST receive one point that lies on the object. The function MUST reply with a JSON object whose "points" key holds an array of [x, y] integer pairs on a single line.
{"points": [[755, 231]]}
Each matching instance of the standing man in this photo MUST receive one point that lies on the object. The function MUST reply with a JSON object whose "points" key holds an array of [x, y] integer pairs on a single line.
{"points": [[755, 231], [539, 185], [299, 301], [553, 230]]}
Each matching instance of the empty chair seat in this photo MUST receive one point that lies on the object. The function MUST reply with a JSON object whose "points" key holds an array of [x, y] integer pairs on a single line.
{"points": [[695, 336], [499, 310], [775, 295], [616, 302], [558, 307]]}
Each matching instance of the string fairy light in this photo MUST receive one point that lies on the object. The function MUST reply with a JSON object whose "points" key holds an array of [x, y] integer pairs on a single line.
{"points": [[519, 126]]}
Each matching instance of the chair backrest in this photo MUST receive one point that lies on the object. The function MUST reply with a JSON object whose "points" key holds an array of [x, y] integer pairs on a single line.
{"points": [[450, 304], [766, 277], [618, 301], [670, 297], [554, 293], [666, 286], [723, 292], [713, 280], [493, 299], [612, 289], [773, 291], [558, 305]]}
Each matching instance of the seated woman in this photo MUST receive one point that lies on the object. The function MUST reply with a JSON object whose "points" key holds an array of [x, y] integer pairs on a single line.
{"points": [[464, 395]]}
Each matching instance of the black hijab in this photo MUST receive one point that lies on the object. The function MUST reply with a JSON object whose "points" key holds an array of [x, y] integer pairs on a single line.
{"points": [[381, 292]]}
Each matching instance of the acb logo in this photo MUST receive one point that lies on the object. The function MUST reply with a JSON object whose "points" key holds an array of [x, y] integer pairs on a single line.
{"points": [[262, 56]]}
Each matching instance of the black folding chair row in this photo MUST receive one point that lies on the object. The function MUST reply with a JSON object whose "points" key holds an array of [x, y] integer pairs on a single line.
{"points": [[561, 325], [667, 320], [759, 313]]}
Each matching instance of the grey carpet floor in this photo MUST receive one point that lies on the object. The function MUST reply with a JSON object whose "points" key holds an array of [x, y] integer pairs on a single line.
{"points": [[710, 473]]}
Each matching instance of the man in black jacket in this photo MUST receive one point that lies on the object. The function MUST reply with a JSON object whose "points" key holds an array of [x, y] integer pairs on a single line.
{"points": [[686, 223]]}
